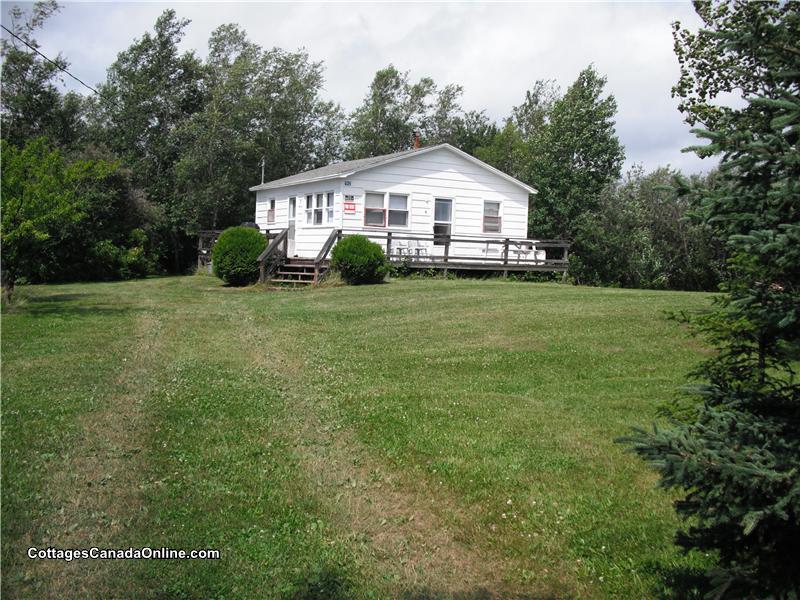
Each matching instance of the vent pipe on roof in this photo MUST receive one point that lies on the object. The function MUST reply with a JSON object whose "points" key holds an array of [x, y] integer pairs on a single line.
{"points": [[417, 143]]}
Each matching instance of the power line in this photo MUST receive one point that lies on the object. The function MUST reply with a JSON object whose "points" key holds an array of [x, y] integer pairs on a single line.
{"points": [[54, 63]]}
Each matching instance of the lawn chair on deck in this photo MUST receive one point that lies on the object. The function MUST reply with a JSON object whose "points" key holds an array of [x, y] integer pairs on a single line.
{"points": [[416, 249]]}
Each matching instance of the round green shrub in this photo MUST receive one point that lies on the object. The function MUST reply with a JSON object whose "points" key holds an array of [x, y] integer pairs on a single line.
{"points": [[359, 261], [235, 255]]}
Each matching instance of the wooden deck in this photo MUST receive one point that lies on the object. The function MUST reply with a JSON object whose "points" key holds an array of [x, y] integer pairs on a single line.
{"points": [[418, 251], [441, 252]]}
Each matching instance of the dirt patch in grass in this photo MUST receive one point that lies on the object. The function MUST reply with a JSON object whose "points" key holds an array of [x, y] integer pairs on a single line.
{"points": [[98, 483]]}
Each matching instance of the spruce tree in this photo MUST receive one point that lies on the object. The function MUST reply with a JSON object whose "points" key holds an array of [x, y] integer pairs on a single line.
{"points": [[736, 453]]}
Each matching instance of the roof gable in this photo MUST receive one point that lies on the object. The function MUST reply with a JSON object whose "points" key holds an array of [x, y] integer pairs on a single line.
{"points": [[349, 167]]}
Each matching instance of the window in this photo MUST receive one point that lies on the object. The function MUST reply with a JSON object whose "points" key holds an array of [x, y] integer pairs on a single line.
{"points": [[442, 220], [374, 212], [271, 211], [398, 210], [292, 208], [318, 210], [491, 217]]}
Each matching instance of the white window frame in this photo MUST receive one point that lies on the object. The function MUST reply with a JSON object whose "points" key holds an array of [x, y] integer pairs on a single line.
{"points": [[292, 208], [386, 209], [499, 216], [322, 205], [330, 202], [270, 211]]}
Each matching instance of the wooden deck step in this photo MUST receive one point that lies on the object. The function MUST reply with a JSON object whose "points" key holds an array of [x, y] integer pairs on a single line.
{"points": [[298, 271], [296, 281]]}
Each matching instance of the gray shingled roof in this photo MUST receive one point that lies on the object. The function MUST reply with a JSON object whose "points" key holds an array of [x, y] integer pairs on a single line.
{"points": [[334, 170]]}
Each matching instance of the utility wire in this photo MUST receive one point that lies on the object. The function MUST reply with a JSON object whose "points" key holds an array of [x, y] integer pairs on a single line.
{"points": [[58, 66]]}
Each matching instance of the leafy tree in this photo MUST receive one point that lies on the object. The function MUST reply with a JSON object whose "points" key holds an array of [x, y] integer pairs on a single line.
{"points": [[506, 151], [150, 91], [258, 103], [574, 158], [532, 116], [64, 220], [447, 122], [643, 234], [472, 130], [31, 104], [737, 453], [394, 109]]}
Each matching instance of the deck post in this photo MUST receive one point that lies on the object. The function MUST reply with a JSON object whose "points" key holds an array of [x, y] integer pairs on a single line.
{"points": [[505, 257], [389, 245], [566, 260], [446, 252], [262, 275]]}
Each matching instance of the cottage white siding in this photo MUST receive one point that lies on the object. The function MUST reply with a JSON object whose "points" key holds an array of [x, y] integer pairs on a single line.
{"points": [[439, 173]]}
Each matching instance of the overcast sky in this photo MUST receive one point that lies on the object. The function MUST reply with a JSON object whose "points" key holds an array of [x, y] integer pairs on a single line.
{"points": [[496, 51]]}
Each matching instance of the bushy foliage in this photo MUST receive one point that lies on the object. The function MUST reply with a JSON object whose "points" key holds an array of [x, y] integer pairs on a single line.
{"points": [[68, 220], [394, 108], [645, 233], [359, 260], [235, 255], [737, 454]]}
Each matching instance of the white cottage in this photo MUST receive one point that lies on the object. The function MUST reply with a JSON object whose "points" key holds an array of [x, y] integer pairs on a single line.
{"points": [[425, 205]]}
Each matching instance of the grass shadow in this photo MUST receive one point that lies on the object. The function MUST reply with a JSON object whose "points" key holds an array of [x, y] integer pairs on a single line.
{"points": [[71, 305], [679, 582], [477, 593], [325, 583]]}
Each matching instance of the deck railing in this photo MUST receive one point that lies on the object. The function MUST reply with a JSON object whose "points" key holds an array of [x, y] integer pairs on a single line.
{"points": [[464, 252], [273, 255], [322, 255]]}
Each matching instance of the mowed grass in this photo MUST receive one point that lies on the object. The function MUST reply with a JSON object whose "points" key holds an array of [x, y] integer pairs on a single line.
{"points": [[416, 439]]}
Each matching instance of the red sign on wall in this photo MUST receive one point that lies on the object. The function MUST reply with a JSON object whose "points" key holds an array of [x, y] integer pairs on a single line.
{"points": [[349, 205]]}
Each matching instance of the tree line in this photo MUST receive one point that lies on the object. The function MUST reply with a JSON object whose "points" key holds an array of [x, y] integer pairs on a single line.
{"points": [[171, 143]]}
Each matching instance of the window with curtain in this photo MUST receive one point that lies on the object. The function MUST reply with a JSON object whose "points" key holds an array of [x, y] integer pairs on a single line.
{"points": [[374, 211], [398, 210], [329, 206], [318, 209], [491, 217], [309, 208]]}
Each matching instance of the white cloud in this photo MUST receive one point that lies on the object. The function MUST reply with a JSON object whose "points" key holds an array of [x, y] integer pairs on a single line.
{"points": [[496, 51]]}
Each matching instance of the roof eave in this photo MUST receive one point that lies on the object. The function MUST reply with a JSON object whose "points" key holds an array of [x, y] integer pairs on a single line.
{"points": [[342, 175], [269, 185]]}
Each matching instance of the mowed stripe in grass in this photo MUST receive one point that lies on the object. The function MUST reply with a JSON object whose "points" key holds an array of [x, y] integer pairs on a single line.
{"points": [[64, 353], [215, 475], [510, 395], [281, 425]]}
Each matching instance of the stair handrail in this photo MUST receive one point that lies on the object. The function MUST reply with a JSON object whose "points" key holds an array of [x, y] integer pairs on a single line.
{"points": [[336, 234], [326, 247], [272, 249]]}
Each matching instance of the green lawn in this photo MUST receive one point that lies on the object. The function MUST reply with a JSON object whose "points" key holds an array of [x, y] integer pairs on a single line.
{"points": [[419, 439]]}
